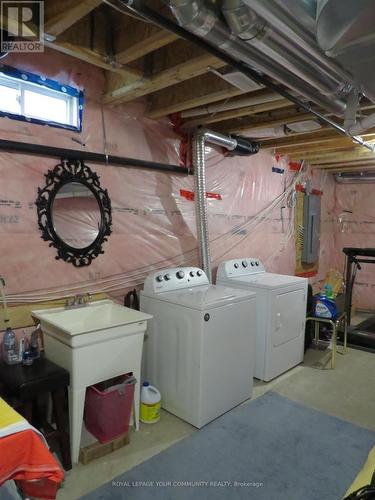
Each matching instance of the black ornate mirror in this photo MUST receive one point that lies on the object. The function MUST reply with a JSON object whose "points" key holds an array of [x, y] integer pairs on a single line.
{"points": [[74, 212]]}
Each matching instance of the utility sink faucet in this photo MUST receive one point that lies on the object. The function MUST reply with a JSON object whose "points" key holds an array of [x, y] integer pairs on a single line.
{"points": [[79, 300]]}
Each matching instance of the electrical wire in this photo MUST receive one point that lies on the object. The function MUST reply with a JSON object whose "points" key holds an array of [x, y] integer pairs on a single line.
{"points": [[136, 277], [265, 213]]}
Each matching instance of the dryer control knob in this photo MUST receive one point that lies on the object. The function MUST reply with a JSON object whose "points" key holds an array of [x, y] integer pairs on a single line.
{"points": [[192, 274], [199, 273], [236, 265], [167, 277], [180, 274], [159, 278], [257, 263], [252, 263], [244, 263]]}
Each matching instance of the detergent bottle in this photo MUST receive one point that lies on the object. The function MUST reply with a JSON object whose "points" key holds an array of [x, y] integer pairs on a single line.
{"points": [[150, 404], [325, 305]]}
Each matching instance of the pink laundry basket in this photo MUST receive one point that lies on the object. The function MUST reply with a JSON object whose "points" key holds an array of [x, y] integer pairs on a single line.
{"points": [[108, 407]]}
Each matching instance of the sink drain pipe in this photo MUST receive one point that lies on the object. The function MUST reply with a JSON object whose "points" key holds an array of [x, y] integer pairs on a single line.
{"points": [[237, 146]]}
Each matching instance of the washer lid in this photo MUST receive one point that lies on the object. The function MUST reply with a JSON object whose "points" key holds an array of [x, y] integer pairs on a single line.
{"points": [[267, 280], [205, 297]]}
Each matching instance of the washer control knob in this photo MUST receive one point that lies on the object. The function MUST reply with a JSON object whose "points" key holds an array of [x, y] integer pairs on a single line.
{"points": [[236, 265], [199, 273], [167, 277], [159, 278], [252, 263], [257, 263], [192, 274], [180, 274], [244, 263]]}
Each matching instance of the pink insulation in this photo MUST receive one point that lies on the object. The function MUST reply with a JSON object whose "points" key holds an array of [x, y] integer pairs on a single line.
{"points": [[153, 224]]}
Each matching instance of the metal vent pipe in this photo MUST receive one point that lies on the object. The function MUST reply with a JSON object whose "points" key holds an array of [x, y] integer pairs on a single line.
{"points": [[363, 177], [199, 19], [296, 34], [138, 8], [255, 31], [238, 146]]}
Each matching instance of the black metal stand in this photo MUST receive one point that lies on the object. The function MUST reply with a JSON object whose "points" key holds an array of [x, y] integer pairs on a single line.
{"points": [[364, 333]]}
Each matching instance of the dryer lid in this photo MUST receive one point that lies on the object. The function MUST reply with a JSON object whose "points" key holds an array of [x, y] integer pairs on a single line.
{"points": [[266, 280], [205, 297]]}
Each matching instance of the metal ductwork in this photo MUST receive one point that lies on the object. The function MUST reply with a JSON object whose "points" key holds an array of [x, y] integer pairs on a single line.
{"points": [[283, 130], [248, 26], [286, 26], [204, 27], [267, 56], [303, 10], [349, 38], [237, 146]]}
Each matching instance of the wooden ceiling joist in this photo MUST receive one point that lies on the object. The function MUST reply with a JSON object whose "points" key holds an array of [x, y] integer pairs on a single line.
{"points": [[337, 156], [352, 165], [272, 119], [335, 169], [92, 57], [145, 46], [319, 140], [67, 15], [125, 92], [236, 113], [199, 91], [270, 122], [134, 39], [324, 147]]}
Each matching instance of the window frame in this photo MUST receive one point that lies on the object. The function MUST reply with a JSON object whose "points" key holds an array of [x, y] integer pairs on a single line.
{"points": [[22, 81]]}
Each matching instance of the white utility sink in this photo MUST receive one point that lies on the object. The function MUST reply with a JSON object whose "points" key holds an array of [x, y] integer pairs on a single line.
{"points": [[94, 342]]}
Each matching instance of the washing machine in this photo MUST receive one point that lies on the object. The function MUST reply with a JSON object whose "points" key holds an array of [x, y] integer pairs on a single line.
{"points": [[199, 348], [281, 313]]}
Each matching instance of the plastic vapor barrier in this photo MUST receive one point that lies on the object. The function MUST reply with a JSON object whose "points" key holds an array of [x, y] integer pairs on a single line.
{"points": [[251, 204]]}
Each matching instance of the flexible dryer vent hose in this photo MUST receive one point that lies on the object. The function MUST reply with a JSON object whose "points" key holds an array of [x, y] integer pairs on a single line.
{"points": [[237, 146]]}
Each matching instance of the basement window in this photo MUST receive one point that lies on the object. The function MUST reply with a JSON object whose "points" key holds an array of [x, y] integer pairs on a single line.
{"points": [[35, 99]]}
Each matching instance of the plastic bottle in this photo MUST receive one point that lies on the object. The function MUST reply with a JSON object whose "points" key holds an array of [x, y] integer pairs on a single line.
{"points": [[10, 351], [328, 290], [34, 343], [325, 307], [150, 404]]}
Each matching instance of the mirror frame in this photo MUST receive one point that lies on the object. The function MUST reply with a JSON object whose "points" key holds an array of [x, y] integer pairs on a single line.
{"points": [[65, 172]]}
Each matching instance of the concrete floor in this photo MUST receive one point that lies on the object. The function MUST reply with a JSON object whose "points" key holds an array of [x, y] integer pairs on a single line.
{"points": [[347, 392]]}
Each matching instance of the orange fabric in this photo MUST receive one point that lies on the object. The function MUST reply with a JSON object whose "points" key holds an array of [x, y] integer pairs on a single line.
{"points": [[26, 459]]}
